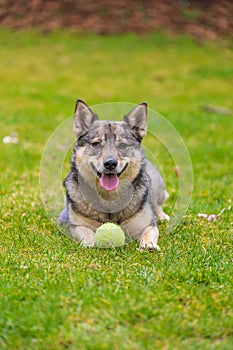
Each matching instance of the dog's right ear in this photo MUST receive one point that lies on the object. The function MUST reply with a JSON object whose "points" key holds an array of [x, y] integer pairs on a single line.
{"points": [[83, 118]]}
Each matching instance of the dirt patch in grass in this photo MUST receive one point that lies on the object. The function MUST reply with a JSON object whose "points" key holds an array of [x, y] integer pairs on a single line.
{"points": [[202, 19]]}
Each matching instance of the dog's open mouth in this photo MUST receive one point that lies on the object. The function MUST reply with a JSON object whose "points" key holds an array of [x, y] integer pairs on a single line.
{"points": [[109, 181]]}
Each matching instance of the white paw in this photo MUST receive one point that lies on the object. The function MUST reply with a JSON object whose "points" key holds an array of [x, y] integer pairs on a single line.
{"points": [[148, 246], [163, 216], [84, 235], [87, 244], [149, 239]]}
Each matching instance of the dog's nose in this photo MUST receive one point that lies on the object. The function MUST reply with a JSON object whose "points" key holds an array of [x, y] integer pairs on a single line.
{"points": [[110, 164]]}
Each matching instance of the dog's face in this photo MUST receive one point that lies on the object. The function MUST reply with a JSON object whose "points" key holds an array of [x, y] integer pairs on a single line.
{"points": [[107, 152]]}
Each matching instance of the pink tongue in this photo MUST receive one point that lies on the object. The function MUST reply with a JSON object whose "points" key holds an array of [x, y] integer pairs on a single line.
{"points": [[109, 181]]}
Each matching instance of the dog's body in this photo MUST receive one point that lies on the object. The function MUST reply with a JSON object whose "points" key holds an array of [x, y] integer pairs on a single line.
{"points": [[111, 180]]}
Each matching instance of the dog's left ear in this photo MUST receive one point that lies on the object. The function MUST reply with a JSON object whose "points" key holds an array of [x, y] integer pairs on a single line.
{"points": [[137, 120], [83, 118]]}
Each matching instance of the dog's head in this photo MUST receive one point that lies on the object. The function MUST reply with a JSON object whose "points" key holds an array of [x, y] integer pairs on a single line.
{"points": [[107, 150]]}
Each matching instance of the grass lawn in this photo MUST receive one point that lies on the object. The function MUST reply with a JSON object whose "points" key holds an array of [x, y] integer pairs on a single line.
{"points": [[55, 294]]}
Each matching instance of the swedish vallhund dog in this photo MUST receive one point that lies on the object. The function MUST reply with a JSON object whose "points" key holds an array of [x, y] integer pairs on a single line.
{"points": [[111, 180]]}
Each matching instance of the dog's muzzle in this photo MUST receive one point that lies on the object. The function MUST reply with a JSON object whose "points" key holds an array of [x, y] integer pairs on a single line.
{"points": [[109, 177]]}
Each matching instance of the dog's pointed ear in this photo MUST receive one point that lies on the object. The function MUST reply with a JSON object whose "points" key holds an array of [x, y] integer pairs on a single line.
{"points": [[83, 118], [137, 120]]}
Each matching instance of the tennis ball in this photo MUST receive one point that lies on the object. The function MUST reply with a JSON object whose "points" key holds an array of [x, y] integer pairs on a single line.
{"points": [[109, 235]]}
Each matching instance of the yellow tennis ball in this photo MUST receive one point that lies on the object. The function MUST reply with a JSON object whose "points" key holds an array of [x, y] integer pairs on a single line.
{"points": [[109, 235]]}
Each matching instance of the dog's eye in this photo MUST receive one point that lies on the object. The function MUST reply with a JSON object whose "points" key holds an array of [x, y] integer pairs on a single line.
{"points": [[123, 146], [96, 145], [81, 143]]}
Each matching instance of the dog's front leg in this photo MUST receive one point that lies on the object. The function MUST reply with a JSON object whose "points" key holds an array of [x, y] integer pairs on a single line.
{"points": [[83, 234], [149, 238]]}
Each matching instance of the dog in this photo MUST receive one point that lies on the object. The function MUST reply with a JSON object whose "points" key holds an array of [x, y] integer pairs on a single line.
{"points": [[111, 180]]}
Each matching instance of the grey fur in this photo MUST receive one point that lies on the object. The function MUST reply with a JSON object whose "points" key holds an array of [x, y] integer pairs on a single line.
{"points": [[137, 201]]}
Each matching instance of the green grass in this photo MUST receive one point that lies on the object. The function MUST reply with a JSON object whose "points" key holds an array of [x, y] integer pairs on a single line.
{"points": [[56, 295]]}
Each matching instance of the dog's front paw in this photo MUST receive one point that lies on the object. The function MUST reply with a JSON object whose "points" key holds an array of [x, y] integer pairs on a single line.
{"points": [[160, 215], [149, 239], [164, 216], [84, 235], [151, 247]]}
